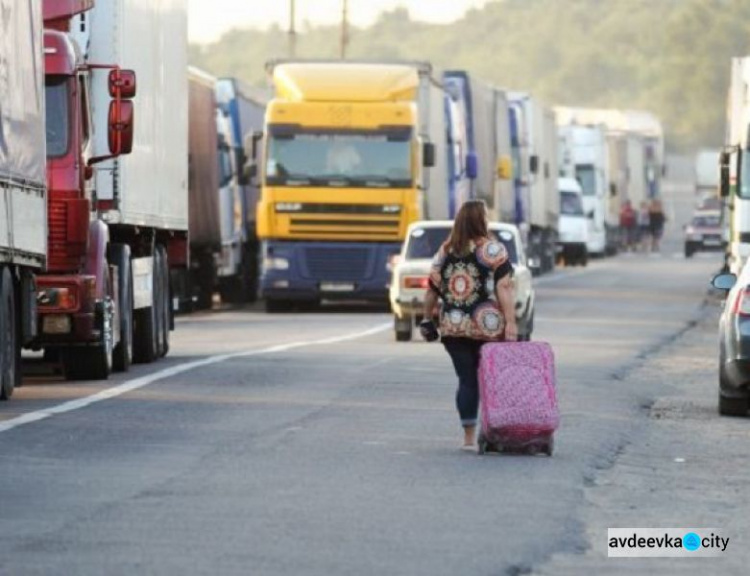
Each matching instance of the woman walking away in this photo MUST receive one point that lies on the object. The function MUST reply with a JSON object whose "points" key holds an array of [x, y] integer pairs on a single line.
{"points": [[644, 231], [472, 276], [656, 223]]}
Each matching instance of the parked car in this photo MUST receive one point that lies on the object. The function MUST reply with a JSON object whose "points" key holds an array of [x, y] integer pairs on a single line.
{"points": [[734, 343], [704, 233], [411, 270]]}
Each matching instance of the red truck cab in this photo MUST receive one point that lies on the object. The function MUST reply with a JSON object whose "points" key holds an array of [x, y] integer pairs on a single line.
{"points": [[78, 296]]}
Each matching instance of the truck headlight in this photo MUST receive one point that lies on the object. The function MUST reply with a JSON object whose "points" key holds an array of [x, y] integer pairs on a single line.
{"points": [[275, 263], [56, 324]]}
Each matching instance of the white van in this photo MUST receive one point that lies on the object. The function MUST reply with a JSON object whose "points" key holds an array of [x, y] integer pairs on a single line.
{"points": [[574, 227]]}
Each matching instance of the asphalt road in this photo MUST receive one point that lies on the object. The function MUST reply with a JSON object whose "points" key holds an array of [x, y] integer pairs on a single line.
{"points": [[315, 444]]}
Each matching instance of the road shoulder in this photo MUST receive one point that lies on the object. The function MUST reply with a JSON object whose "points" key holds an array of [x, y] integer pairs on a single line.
{"points": [[683, 468]]}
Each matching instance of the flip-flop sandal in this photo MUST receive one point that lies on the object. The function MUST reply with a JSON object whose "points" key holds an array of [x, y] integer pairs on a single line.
{"points": [[469, 448]]}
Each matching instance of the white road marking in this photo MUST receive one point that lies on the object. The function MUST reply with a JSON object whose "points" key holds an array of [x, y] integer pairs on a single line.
{"points": [[143, 381]]}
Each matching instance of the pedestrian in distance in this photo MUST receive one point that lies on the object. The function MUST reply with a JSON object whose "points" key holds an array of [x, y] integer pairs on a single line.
{"points": [[628, 224], [657, 219], [644, 227], [472, 276]]}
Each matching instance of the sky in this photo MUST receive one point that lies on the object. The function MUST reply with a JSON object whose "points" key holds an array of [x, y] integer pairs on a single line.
{"points": [[209, 19]]}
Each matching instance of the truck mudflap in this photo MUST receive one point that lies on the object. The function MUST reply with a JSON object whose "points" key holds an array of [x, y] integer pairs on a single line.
{"points": [[305, 271]]}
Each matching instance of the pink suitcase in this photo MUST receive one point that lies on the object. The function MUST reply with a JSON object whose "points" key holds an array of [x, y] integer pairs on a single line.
{"points": [[518, 398]]}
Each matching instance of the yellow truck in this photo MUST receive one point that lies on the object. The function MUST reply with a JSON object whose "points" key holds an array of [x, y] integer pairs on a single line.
{"points": [[341, 163]]}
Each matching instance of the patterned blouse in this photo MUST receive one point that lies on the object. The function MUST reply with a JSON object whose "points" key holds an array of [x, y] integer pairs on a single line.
{"points": [[466, 285]]}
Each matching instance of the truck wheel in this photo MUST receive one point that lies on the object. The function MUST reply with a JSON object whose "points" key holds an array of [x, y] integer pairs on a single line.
{"points": [[166, 301], [119, 256], [93, 362], [145, 332], [584, 258], [8, 336]]}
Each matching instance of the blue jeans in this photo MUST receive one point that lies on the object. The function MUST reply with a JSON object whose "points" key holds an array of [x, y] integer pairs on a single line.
{"points": [[464, 353]]}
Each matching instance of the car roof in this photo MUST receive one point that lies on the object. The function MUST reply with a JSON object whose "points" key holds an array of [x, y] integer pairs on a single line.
{"points": [[449, 224]]}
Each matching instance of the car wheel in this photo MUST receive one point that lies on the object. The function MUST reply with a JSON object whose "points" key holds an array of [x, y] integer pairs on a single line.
{"points": [[402, 328], [732, 406]]}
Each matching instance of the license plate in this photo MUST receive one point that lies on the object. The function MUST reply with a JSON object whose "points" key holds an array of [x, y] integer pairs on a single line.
{"points": [[336, 287], [712, 242]]}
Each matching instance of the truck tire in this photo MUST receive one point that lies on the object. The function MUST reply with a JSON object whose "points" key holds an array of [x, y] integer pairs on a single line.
{"points": [[165, 300], [119, 256], [8, 336], [145, 328], [94, 362]]}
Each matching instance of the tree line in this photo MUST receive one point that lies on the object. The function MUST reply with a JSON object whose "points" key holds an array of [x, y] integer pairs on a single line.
{"points": [[671, 57]]}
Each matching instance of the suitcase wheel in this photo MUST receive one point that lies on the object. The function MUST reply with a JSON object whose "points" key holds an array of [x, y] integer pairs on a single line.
{"points": [[549, 446], [482, 445]]}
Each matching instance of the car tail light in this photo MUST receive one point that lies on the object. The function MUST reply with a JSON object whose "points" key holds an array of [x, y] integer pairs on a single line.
{"points": [[416, 282], [742, 303]]}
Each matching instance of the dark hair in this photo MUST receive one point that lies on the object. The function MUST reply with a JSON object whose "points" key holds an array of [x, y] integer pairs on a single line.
{"points": [[470, 224]]}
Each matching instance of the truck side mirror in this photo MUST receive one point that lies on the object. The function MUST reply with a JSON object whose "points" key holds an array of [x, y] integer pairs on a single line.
{"points": [[504, 168], [120, 127], [240, 161], [534, 164], [472, 165], [122, 84], [249, 171], [428, 154], [251, 144], [724, 174]]}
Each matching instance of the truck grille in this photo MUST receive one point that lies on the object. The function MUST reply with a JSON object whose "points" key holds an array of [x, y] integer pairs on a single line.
{"points": [[337, 264], [336, 227], [58, 258]]}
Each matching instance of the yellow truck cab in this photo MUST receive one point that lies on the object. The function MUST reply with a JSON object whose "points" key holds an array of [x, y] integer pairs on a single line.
{"points": [[344, 145]]}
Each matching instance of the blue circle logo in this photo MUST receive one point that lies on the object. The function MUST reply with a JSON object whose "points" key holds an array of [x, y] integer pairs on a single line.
{"points": [[691, 541]]}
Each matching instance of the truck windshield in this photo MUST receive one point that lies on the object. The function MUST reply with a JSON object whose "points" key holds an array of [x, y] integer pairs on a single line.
{"points": [[586, 177], [570, 204], [424, 243], [375, 160], [57, 120]]}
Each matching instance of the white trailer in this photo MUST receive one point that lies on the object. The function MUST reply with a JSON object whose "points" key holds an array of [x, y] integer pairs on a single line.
{"points": [[537, 138], [735, 179], [583, 156], [23, 192]]}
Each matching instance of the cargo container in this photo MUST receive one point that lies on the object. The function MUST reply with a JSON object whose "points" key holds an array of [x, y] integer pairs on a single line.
{"points": [[23, 189]]}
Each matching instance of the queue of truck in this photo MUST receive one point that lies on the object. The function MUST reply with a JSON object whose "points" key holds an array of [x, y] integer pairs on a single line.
{"points": [[162, 185]]}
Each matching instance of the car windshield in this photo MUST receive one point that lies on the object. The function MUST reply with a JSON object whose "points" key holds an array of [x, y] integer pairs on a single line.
{"points": [[423, 243], [570, 204], [56, 94], [586, 177], [377, 159], [706, 221]]}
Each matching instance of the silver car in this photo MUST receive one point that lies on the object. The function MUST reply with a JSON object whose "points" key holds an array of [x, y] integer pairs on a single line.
{"points": [[734, 343], [412, 268]]}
